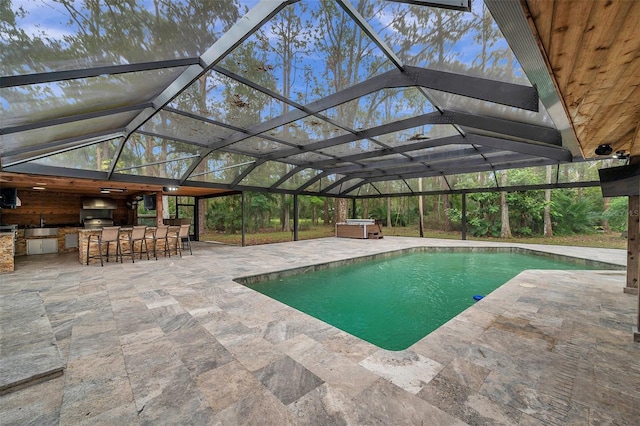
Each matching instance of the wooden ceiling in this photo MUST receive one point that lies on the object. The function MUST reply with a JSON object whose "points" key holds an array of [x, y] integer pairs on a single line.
{"points": [[592, 48], [91, 187]]}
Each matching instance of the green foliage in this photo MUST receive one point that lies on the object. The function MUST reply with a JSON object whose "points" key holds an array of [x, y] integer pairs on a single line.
{"points": [[481, 227], [262, 210], [378, 212], [617, 213], [225, 214], [484, 214], [572, 215], [572, 212], [454, 214], [525, 212], [525, 231]]}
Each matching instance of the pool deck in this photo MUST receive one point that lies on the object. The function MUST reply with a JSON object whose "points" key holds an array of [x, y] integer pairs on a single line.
{"points": [[177, 341]]}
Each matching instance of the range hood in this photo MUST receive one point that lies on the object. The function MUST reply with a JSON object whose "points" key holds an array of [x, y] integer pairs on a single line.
{"points": [[98, 204], [97, 212]]}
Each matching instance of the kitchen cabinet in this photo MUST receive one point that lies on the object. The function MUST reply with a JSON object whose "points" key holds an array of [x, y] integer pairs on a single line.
{"points": [[42, 246], [71, 241]]}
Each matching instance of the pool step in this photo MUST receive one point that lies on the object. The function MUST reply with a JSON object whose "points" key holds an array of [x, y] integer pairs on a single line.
{"points": [[30, 352]]}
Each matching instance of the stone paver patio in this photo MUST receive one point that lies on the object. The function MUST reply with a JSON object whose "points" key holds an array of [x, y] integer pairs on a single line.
{"points": [[177, 341]]}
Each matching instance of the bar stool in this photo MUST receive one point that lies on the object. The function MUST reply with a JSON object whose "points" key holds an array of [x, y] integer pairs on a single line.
{"points": [[138, 234], [109, 234], [183, 235], [174, 234], [161, 233]]}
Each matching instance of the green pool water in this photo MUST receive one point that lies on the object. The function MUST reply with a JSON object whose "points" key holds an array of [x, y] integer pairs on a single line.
{"points": [[396, 301]]}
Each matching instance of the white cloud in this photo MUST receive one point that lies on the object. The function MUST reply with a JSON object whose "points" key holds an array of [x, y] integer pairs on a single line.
{"points": [[43, 18]]}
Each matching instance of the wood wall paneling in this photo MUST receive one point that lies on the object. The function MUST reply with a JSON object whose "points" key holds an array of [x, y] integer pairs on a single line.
{"points": [[57, 209]]}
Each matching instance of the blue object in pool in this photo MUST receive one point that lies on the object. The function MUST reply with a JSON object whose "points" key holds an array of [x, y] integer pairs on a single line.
{"points": [[478, 297]]}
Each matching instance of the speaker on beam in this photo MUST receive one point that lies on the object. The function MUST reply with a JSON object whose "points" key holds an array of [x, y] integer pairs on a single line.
{"points": [[8, 198], [149, 201], [620, 181]]}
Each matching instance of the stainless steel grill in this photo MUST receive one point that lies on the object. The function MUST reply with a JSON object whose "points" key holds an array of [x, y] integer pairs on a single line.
{"points": [[97, 223], [97, 212]]}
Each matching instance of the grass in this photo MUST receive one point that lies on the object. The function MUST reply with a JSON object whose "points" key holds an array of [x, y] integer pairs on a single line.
{"points": [[268, 236]]}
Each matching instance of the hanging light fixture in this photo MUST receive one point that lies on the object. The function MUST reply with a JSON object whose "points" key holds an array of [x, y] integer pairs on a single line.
{"points": [[110, 190]]}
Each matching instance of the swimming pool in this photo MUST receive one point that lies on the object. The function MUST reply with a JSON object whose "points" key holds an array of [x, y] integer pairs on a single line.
{"points": [[395, 301]]}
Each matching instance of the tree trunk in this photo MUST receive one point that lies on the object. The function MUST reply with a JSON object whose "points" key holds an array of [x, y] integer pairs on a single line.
{"points": [[389, 212], [446, 204], [548, 228], [285, 215], [505, 229], [342, 209], [580, 179], [605, 206], [400, 210], [326, 211]]}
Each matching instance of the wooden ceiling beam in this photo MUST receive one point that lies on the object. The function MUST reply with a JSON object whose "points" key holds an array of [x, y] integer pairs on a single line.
{"points": [[634, 149], [92, 186]]}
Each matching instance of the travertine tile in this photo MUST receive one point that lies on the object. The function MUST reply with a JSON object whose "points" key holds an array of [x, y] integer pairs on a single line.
{"points": [[405, 369], [176, 400], [384, 403], [466, 404], [94, 385], [227, 384], [120, 415], [254, 352], [198, 350], [28, 348], [465, 372], [294, 385], [93, 397], [344, 343], [262, 408], [323, 406], [176, 341], [35, 405]]}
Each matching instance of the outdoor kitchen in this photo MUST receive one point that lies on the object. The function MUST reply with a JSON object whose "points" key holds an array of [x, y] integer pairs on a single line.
{"points": [[34, 222]]}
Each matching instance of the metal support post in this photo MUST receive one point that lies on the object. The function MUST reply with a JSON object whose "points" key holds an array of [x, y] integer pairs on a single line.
{"points": [[242, 212], [295, 217], [464, 216]]}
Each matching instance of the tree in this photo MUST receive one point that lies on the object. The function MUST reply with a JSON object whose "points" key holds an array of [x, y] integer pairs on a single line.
{"points": [[548, 229], [350, 56], [617, 213], [326, 216], [315, 203], [341, 209], [505, 230], [291, 38]]}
